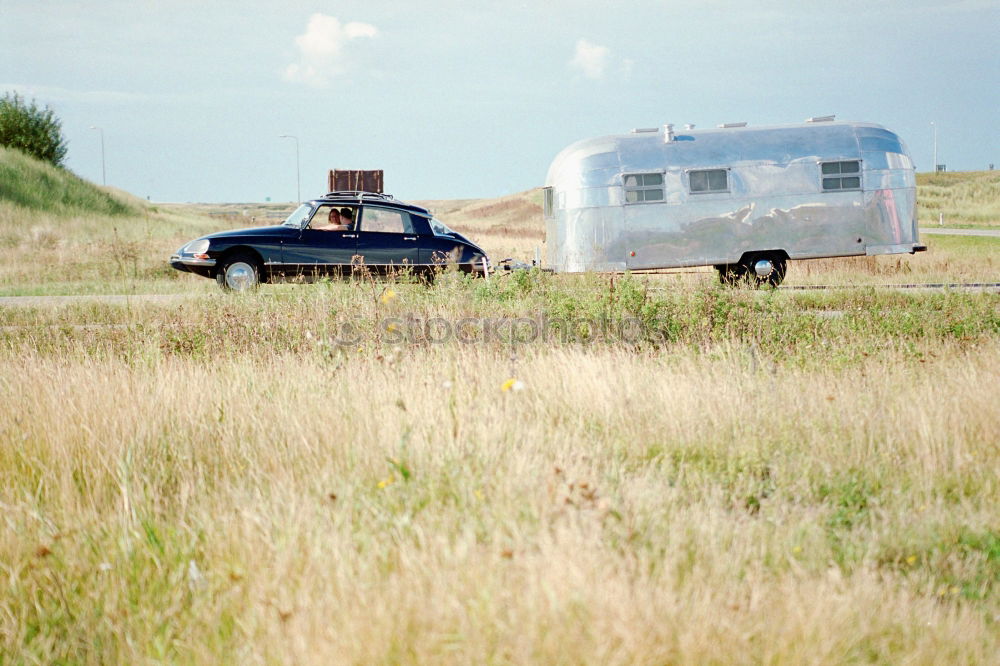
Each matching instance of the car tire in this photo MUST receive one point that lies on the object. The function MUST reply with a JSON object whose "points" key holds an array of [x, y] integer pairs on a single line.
{"points": [[238, 273]]}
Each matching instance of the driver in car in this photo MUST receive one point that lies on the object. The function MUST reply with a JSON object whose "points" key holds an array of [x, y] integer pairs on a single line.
{"points": [[334, 223]]}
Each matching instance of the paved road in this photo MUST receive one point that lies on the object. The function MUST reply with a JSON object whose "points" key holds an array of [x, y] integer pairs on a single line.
{"points": [[962, 232], [113, 299]]}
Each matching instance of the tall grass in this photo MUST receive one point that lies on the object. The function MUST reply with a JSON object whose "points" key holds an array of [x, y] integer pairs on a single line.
{"points": [[622, 507], [38, 186], [62, 235], [971, 197], [586, 469]]}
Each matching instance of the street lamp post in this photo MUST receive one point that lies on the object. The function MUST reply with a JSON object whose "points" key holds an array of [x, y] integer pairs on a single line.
{"points": [[104, 179], [934, 167], [298, 186]]}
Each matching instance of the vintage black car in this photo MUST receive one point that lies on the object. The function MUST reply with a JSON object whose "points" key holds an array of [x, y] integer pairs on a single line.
{"points": [[335, 235]]}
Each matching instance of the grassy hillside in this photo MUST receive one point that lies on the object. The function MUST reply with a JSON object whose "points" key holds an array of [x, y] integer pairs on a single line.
{"points": [[31, 183], [60, 234], [964, 198], [508, 226]]}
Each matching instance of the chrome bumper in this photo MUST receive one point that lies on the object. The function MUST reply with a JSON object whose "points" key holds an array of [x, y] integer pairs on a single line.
{"points": [[191, 261], [901, 248]]}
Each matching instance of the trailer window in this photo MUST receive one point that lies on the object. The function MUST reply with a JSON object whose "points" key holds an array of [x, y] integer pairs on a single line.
{"points": [[709, 180], [643, 187], [841, 175]]}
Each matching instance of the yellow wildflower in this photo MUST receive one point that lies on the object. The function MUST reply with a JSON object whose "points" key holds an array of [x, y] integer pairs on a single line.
{"points": [[512, 384], [912, 559], [388, 295], [387, 481]]}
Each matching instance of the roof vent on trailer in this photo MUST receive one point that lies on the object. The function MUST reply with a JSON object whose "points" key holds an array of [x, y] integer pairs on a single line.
{"points": [[731, 125], [668, 131], [821, 119], [689, 126], [644, 130]]}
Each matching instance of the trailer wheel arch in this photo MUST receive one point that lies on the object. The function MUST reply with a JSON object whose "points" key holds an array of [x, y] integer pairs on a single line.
{"points": [[743, 272]]}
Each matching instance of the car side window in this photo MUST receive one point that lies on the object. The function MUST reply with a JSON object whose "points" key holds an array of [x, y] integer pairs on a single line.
{"points": [[421, 225], [386, 220], [328, 218]]}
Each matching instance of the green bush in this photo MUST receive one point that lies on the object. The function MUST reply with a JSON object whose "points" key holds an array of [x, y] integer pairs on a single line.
{"points": [[31, 129]]}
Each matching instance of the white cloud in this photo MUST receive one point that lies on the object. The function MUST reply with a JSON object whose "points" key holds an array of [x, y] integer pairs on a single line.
{"points": [[591, 59], [323, 52]]}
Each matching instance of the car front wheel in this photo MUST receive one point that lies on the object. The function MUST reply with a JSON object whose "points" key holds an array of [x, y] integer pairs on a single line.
{"points": [[239, 273]]}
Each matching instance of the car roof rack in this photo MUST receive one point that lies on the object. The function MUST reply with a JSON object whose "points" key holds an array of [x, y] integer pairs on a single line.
{"points": [[359, 195]]}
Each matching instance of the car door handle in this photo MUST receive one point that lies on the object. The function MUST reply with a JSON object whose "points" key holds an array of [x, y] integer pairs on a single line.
{"points": [[413, 238], [349, 236]]}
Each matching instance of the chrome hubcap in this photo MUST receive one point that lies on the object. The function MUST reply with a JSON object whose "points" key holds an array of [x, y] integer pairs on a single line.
{"points": [[763, 268], [240, 276]]}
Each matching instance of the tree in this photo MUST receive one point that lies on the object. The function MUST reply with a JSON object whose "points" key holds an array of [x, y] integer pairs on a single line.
{"points": [[31, 129]]}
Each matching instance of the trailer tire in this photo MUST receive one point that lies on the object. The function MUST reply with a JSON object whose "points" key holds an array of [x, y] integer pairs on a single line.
{"points": [[773, 278], [731, 275], [745, 272]]}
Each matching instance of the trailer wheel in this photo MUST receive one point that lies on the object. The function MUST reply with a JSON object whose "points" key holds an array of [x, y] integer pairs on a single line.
{"points": [[754, 271], [764, 270], [731, 275]]}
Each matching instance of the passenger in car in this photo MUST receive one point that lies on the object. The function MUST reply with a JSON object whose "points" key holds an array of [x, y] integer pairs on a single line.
{"points": [[347, 217], [334, 223]]}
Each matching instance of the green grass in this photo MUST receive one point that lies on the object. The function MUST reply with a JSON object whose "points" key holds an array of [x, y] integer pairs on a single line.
{"points": [[60, 235], [38, 186], [813, 473], [839, 328]]}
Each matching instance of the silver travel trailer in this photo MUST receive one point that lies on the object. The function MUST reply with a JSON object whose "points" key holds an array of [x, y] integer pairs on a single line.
{"points": [[743, 199]]}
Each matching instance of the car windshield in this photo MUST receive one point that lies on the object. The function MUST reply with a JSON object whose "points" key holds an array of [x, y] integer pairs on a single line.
{"points": [[440, 228], [300, 215]]}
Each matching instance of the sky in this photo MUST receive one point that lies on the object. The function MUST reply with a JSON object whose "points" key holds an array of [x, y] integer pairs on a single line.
{"points": [[469, 99]]}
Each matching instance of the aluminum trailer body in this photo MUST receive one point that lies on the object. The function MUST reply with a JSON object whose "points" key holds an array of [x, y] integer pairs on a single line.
{"points": [[728, 196]]}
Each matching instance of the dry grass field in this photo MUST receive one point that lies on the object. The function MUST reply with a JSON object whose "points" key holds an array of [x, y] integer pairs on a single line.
{"points": [[961, 199], [509, 226], [531, 469]]}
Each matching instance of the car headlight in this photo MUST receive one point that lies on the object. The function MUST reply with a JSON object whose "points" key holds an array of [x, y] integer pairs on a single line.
{"points": [[196, 247]]}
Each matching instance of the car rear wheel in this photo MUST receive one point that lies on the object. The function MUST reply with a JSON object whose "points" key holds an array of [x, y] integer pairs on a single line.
{"points": [[239, 273]]}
